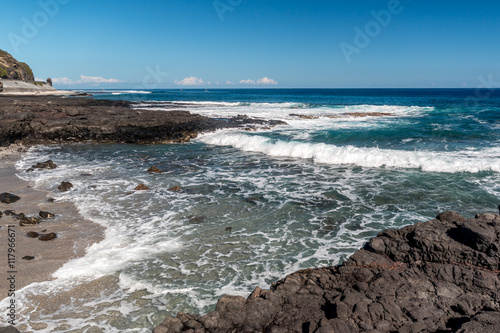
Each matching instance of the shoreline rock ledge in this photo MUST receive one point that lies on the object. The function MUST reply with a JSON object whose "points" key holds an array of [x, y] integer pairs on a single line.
{"points": [[438, 276]]}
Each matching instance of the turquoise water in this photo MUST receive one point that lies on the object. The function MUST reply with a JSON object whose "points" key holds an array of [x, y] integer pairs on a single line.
{"points": [[257, 205]]}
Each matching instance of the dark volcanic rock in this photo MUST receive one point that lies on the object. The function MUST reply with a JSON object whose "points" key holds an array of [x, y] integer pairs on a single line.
{"points": [[196, 219], [28, 258], [55, 119], [8, 198], [9, 329], [47, 237], [437, 276], [32, 234], [46, 215], [65, 186], [154, 169], [141, 187], [43, 165], [175, 189], [24, 221]]}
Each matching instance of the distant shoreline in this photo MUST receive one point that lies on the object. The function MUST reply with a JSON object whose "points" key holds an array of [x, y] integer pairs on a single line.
{"points": [[23, 88]]}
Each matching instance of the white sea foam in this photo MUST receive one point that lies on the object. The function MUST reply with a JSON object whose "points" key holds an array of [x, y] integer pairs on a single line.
{"points": [[290, 112], [119, 92], [430, 161], [306, 214]]}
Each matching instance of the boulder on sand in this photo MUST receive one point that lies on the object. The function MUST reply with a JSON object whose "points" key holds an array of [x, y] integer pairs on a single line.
{"points": [[8, 198]]}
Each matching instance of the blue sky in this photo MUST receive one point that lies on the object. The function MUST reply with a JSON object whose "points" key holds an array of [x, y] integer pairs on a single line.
{"points": [[255, 43]]}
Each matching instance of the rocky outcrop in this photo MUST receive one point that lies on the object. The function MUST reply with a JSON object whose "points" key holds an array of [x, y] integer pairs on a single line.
{"points": [[12, 69], [65, 186], [43, 120], [437, 276], [42, 165], [154, 169]]}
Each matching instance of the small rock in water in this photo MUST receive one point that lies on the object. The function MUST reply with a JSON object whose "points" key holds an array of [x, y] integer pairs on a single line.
{"points": [[28, 257], [141, 187], [9, 198], [47, 237], [229, 229], [1, 214], [197, 219], [32, 234], [46, 215], [154, 169], [9, 213], [252, 200], [51, 200], [85, 174], [175, 189], [65, 186], [43, 165]]}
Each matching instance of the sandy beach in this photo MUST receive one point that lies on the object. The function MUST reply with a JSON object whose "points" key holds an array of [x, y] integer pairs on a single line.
{"points": [[39, 93], [74, 233]]}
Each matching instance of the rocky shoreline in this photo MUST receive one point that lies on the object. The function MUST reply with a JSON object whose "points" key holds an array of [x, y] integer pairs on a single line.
{"points": [[437, 276], [54, 119]]}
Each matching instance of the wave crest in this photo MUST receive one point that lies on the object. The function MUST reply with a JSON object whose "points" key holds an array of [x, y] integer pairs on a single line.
{"points": [[429, 161]]}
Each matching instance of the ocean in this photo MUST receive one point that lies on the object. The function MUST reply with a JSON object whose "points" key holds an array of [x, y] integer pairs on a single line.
{"points": [[261, 203]]}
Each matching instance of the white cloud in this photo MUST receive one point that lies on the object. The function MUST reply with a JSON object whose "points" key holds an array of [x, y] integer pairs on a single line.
{"points": [[96, 79], [247, 81], [190, 81], [62, 80], [84, 80], [229, 83], [263, 81], [266, 80]]}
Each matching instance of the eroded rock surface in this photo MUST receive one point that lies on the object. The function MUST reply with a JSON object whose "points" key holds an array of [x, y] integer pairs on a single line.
{"points": [[51, 119], [437, 276]]}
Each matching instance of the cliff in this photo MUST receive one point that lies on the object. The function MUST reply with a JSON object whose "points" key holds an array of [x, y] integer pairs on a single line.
{"points": [[12, 69]]}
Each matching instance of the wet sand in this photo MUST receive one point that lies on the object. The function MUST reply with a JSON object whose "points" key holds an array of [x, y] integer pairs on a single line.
{"points": [[74, 233]]}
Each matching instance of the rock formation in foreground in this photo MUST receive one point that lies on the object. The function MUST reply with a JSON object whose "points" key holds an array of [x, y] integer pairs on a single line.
{"points": [[437, 276]]}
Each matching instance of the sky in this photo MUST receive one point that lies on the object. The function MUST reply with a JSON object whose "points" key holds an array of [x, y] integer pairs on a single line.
{"points": [[256, 43]]}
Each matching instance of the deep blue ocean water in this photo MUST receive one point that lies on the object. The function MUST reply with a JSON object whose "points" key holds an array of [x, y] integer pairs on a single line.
{"points": [[257, 205]]}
